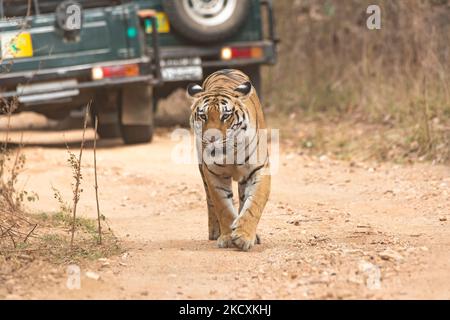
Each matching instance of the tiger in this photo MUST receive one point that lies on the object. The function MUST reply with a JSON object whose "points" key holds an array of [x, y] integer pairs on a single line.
{"points": [[227, 104]]}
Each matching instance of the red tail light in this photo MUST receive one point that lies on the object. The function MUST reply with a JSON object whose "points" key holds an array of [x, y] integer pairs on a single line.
{"points": [[229, 53], [129, 70]]}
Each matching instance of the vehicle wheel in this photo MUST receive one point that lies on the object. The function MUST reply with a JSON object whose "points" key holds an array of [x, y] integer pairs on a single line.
{"points": [[134, 134], [105, 108], [108, 131], [207, 20], [136, 114]]}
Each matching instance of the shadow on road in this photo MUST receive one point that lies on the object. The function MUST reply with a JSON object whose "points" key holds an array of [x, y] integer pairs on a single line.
{"points": [[35, 130], [88, 144]]}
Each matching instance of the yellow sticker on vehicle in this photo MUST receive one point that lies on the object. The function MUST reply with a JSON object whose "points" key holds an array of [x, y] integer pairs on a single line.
{"points": [[16, 45], [162, 22]]}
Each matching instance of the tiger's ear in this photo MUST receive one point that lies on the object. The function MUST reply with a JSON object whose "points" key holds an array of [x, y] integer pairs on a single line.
{"points": [[244, 89], [193, 90]]}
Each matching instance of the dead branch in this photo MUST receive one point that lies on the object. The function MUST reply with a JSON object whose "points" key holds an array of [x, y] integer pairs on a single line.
{"points": [[96, 183], [76, 193]]}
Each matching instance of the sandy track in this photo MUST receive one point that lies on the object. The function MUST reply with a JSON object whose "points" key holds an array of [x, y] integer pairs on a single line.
{"points": [[328, 229]]}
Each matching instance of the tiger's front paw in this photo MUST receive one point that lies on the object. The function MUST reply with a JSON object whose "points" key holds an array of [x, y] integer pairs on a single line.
{"points": [[225, 241], [243, 238]]}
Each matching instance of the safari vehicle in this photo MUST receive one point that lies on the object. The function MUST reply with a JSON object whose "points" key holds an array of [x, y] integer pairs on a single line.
{"points": [[123, 56]]}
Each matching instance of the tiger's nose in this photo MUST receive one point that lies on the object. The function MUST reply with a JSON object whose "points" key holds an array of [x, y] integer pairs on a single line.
{"points": [[212, 139]]}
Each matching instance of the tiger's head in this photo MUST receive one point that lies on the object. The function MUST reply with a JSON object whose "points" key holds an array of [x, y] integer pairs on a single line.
{"points": [[219, 112]]}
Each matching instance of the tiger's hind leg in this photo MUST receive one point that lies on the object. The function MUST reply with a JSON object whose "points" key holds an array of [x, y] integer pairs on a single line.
{"points": [[213, 222], [257, 190]]}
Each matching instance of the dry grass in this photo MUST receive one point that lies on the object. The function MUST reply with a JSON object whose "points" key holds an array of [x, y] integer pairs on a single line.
{"points": [[396, 79], [14, 227], [26, 237]]}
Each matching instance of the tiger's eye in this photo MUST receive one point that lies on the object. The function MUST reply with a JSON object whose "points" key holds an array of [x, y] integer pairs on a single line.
{"points": [[226, 116]]}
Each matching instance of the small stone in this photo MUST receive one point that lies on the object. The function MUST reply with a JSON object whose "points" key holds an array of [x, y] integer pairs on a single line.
{"points": [[144, 293], [92, 275], [392, 255], [443, 219]]}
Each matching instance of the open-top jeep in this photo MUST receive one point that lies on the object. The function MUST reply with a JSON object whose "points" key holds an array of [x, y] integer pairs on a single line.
{"points": [[123, 56]]}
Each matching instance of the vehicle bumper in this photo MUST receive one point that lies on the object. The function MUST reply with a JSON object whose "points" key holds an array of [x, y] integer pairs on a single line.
{"points": [[211, 56], [82, 73]]}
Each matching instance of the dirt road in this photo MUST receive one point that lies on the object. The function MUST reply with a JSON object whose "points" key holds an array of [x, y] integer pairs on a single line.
{"points": [[331, 229]]}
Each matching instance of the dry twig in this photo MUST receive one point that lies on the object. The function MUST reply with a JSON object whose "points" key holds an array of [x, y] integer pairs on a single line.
{"points": [[78, 177], [96, 184]]}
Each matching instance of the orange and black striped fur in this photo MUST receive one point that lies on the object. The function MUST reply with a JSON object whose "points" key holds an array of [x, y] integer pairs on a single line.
{"points": [[228, 103]]}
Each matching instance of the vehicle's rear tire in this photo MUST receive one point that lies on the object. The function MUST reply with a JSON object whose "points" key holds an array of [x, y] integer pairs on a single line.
{"points": [[136, 114], [108, 131], [105, 108], [135, 134], [207, 21]]}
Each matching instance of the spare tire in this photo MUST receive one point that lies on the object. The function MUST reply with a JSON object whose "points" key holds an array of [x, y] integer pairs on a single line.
{"points": [[206, 21]]}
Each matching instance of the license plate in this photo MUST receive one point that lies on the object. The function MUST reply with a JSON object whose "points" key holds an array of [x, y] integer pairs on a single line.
{"points": [[16, 45], [182, 69], [162, 23]]}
